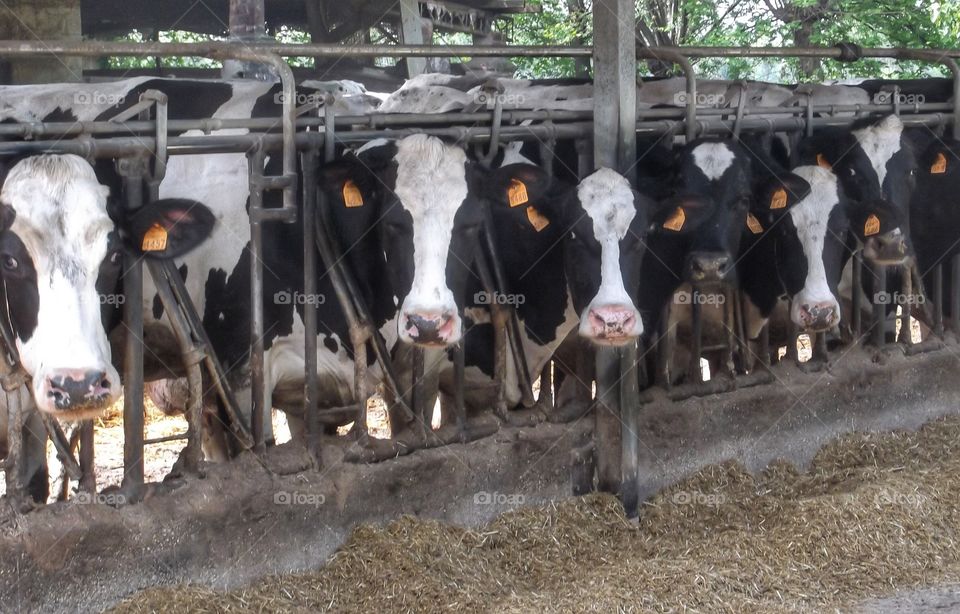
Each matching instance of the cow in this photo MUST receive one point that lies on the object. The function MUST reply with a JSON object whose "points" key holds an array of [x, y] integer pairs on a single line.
{"points": [[571, 259], [695, 236], [934, 220], [62, 245]]}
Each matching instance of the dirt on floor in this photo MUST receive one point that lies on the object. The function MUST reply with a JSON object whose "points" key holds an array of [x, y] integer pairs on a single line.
{"points": [[874, 515]]}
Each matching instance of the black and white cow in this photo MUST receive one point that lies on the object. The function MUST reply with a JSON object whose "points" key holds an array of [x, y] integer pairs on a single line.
{"points": [[62, 240], [935, 215], [695, 237]]}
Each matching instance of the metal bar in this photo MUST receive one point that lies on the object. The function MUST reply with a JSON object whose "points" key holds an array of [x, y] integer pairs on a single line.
{"points": [[879, 331], [857, 294], [938, 300], [88, 468], [258, 393], [630, 446], [955, 294], [221, 50], [952, 66], [411, 33], [308, 165], [697, 335], [132, 170]]}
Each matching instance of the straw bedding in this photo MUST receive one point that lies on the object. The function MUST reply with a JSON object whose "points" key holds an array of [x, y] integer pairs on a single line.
{"points": [[873, 513]]}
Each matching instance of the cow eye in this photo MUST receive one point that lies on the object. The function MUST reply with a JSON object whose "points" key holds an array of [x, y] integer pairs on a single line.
{"points": [[10, 263]]}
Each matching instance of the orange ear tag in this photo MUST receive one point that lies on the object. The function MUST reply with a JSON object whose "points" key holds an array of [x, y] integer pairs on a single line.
{"points": [[822, 162], [754, 224], [517, 193], [872, 226], [351, 195], [779, 199], [537, 220], [675, 222], [155, 239], [939, 165]]}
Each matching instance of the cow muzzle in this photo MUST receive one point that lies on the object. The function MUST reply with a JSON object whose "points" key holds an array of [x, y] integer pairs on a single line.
{"points": [[611, 324], [817, 317], [430, 329], [704, 267], [75, 394], [889, 249]]}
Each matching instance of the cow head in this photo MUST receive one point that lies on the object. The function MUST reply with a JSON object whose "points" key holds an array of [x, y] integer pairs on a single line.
{"points": [[877, 166], [421, 195], [807, 221], [61, 254], [606, 224]]}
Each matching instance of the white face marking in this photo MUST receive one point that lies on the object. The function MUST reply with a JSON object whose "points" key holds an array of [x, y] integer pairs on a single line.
{"points": [[810, 217], [371, 144], [61, 218], [608, 201], [431, 186], [880, 143], [512, 155], [713, 159]]}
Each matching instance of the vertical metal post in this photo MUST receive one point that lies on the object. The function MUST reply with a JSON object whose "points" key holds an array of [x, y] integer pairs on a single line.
{"points": [[879, 333], [955, 294], [696, 311], [615, 146], [938, 300], [630, 447], [88, 479], [308, 164], [247, 25], [411, 33], [857, 285], [132, 171], [258, 396]]}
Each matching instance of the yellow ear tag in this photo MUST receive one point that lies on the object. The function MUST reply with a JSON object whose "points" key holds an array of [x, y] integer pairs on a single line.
{"points": [[754, 224], [872, 226], [517, 193], [155, 239], [939, 165], [537, 220], [351, 195], [675, 222], [779, 199], [822, 162]]}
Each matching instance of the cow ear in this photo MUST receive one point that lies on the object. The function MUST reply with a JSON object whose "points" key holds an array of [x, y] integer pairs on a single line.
{"points": [[780, 193], [679, 215], [168, 228], [7, 215], [518, 184], [870, 220], [348, 184]]}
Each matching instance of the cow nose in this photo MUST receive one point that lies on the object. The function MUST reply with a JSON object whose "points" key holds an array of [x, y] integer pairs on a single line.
{"points": [[819, 316], [708, 266], [889, 250], [612, 322], [71, 389], [429, 328]]}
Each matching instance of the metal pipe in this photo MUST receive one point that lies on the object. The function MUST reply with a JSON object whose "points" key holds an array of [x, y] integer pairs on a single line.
{"points": [[258, 392], [951, 64], [308, 165], [679, 58], [223, 50], [132, 170]]}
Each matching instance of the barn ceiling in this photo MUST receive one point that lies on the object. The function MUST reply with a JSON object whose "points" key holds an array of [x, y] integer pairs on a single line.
{"points": [[332, 20]]}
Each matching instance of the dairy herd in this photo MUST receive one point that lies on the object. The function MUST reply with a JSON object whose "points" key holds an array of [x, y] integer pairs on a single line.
{"points": [[593, 257]]}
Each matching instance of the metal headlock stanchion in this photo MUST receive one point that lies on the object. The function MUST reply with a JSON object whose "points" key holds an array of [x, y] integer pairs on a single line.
{"points": [[615, 125]]}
